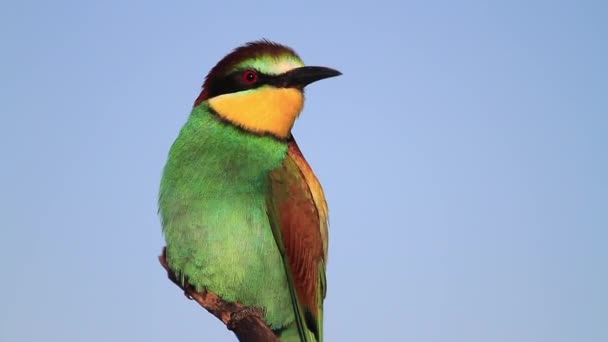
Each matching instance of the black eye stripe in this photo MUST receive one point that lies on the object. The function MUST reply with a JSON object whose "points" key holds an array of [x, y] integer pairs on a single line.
{"points": [[238, 77], [235, 82]]}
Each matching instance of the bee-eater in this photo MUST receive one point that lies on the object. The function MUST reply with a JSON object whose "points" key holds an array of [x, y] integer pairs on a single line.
{"points": [[243, 214]]}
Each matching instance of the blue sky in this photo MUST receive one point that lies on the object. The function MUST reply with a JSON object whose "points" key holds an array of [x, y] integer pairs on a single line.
{"points": [[463, 154]]}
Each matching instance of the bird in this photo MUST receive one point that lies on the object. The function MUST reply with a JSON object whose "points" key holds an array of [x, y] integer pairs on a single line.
{"points": [[242, 212]]}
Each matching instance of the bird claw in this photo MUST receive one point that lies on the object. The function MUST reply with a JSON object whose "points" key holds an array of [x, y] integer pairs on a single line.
{"points": [[244, 313]]}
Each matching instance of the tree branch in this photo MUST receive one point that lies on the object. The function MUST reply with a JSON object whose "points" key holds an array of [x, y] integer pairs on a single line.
{"points": [[245, 322]]}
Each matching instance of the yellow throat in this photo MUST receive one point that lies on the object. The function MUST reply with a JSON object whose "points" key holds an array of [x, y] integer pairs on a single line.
{"points": [[265, 110]]}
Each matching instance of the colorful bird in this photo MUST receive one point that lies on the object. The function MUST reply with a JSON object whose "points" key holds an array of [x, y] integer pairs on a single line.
{"points": [[243, 214]]}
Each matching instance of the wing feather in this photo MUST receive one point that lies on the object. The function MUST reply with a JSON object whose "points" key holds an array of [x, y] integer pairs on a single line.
{"points": [[298, 215]]}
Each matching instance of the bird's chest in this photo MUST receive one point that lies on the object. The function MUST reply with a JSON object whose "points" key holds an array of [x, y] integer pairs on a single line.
{"points": [[225, 244], [213, 207]]}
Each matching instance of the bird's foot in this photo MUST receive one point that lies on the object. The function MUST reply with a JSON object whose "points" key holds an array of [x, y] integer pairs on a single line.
{"points": [[163, 261], [244, 313]]}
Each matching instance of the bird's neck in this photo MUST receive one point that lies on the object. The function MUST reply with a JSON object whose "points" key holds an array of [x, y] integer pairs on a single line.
{"points": [[218, 156]]}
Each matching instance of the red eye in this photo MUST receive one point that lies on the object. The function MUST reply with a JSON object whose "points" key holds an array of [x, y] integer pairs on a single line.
{"points": [[250, 77]]}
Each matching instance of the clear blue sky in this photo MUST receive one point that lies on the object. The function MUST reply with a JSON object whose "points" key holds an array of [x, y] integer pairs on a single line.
{"points": [[463, 154]]}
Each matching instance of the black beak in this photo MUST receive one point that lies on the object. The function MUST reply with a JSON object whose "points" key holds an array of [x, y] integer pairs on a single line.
{"points": [[301, 77]]}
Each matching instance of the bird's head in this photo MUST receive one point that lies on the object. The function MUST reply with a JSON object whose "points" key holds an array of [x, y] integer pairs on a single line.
{"points": [[259, 87]]}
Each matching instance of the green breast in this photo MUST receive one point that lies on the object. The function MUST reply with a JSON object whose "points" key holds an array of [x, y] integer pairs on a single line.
{"points": [[213, 211]]}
